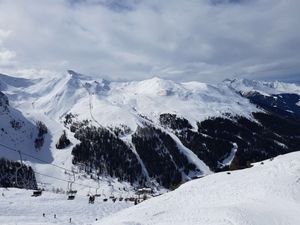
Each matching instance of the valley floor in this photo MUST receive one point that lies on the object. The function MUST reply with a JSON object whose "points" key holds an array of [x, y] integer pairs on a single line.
{"points": [[17, 207]]}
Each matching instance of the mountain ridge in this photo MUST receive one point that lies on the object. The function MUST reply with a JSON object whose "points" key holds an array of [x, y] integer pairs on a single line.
{"points": [[194, 128]]}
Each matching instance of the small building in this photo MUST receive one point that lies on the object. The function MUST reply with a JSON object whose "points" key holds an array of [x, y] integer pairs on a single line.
{"points": [[142, 191]]}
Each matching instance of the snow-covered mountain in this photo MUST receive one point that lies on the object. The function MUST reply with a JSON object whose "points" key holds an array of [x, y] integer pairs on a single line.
{"points": [[277, 97], [17, 131], [154, 132], [115, 103], [266, 87]]}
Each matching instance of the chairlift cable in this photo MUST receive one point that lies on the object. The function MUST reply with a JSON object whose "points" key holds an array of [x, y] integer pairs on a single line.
{"points": [[44, 161]]}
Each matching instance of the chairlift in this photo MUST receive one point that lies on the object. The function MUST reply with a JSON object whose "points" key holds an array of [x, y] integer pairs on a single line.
{"points": [[71, 197], [120, 197], [17, 169], [37, 193], [96, 192], [70, 192], [105, 198], [131, 199]]}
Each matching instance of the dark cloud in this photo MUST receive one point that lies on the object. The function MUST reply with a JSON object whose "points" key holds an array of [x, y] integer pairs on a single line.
{"points": [[115, 5], [206, 40]]}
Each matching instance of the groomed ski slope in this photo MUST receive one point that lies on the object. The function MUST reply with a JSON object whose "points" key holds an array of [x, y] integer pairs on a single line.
{"points": [[17, 207], [266, 194]]}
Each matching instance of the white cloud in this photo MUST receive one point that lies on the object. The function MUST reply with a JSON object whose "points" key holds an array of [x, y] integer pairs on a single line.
{"points": [[186, 40], [6, 56]]}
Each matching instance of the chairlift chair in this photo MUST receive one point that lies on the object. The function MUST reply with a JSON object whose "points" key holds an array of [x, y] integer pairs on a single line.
{"points": [[71, 197], [37, 193], [71, 193], [105, 199]]}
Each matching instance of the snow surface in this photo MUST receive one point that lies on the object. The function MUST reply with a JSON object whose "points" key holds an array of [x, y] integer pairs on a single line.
{"points": [[263, 87], [244, 196], [17, 207], [227, 161], [106, 103], [115, 103], [268, 193]]}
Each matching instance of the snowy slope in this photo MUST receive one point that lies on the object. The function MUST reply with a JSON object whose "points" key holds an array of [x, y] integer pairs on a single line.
{"points": [[16, 131], [268, 193], [276, 97], [236, 198], [115, 103], [22, 94], [263, 87], [265, 194], [19, 208]]}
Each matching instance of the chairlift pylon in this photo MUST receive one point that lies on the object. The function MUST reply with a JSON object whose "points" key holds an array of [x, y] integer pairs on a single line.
{"points": [[35, 193], [96, 192], [18, 168]]}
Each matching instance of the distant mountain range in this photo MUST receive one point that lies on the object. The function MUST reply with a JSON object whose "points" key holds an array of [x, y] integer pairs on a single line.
{"points": [[154, 132]]}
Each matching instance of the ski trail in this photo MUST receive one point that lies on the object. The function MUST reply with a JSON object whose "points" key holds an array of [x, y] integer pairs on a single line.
{"points": [[145, 171], [193, 158]]}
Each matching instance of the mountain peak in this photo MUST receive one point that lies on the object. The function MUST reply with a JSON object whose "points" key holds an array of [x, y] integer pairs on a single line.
{"points": [[159, 86], [76, 75]]}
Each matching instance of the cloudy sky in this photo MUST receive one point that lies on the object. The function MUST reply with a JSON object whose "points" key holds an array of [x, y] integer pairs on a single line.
{"points": [[205, 40]]}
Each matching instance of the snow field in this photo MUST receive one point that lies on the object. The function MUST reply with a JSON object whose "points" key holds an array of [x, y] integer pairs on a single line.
{"points": [[268, 193], [17, 207]]}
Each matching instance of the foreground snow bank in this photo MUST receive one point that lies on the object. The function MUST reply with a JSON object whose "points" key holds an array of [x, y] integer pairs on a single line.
{"points": [[268, 193]]}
